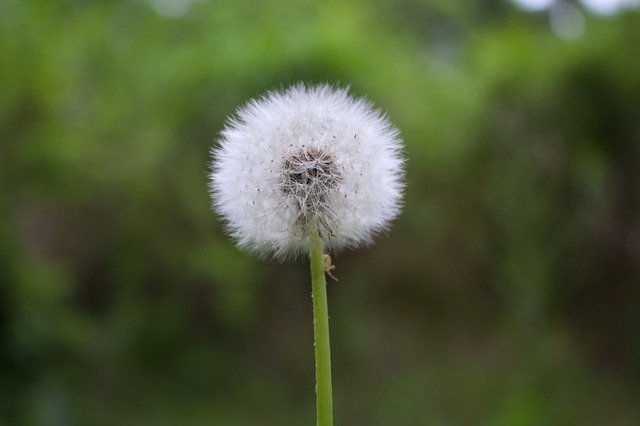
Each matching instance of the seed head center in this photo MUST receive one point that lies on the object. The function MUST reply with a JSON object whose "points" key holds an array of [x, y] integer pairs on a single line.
{"points": [[309, 176]]}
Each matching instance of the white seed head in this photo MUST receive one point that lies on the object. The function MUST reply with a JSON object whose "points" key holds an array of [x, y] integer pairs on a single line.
{"points": [[306, 158]]}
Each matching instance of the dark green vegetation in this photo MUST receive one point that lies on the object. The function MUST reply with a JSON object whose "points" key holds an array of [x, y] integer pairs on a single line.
{"points": [[508, 293]]}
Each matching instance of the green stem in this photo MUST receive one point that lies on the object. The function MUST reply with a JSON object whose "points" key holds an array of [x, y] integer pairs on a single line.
{"points": [[324, 402]]}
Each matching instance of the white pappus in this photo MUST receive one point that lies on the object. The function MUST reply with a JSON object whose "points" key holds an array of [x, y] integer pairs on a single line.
{"points": [[308, 157]]}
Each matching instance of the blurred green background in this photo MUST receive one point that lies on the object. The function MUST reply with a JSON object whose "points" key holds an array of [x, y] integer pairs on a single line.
{"points": [[507, 293]]}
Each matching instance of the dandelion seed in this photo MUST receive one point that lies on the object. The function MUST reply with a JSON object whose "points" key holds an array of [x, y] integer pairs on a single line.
{"points": [[347, 186]]}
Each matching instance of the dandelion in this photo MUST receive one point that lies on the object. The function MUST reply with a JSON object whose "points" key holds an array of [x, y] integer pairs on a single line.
{"points": [[303, 170], [306, 158]]}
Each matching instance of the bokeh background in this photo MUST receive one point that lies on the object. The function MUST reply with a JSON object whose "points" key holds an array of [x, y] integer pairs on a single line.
{"points": [[507, 293]]}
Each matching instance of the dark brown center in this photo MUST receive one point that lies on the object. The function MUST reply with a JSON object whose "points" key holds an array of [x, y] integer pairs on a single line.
{"points": [[310, 173], [309, 176]]}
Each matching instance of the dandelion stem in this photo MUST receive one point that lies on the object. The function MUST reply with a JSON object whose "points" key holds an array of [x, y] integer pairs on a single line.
{"points": [[324, 402]]}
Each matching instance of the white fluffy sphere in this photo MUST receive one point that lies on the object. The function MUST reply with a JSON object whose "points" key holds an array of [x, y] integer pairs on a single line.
{"points": [[304, 159]]}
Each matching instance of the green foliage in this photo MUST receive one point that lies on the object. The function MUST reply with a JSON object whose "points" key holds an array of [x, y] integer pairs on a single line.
{"points": [[506, 294]]}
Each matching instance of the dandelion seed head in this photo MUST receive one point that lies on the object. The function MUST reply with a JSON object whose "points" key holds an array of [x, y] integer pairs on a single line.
{"points": [[308, 157]]}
